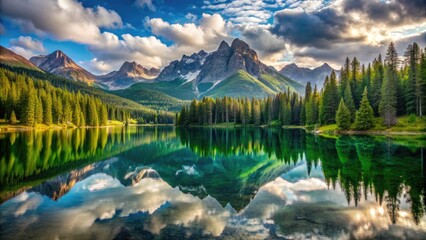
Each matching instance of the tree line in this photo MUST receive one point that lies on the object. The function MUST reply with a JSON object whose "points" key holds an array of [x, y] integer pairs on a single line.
{"points": [[384, 88], [34, 101]]}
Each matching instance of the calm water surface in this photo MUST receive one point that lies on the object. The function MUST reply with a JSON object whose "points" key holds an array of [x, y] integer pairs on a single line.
{"points": [[172, 183]]}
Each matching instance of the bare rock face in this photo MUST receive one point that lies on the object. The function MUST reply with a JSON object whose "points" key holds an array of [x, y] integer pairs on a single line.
{"points": [[60, 64], [128, 74], [181, 68], [227, 60], [304, 75]]}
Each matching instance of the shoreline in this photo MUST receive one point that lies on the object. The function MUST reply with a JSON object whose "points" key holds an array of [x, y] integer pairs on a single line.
{"points": [[21, 128]]}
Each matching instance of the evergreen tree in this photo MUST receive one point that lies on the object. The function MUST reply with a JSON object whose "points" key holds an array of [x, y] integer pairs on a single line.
{"points": [[92, 118], [349, 102], [388, 101], [38, 114], [12, 119], [330, 98], [28, 108], [376, 84], [47, 110], [103, 116], [421, 86], [343, 116], [312, 108], [364, 116]]}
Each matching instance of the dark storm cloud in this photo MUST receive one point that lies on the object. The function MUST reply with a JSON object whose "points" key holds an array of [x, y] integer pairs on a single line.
{"points": [[319, 29], [329, 26], [393, 13]]}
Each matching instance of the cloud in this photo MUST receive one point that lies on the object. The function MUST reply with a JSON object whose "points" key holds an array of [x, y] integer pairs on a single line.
{"points": [[391, 13], [321, 29], [270, 47], [210, 31], [347, 28], [26, 46], [97, 66], [146, 3], [245, 12], [65, 20]]}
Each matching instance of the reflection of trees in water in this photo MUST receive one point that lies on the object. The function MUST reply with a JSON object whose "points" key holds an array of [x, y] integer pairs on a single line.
{"points": [[27, 156], [360, 164], [285, 145]]}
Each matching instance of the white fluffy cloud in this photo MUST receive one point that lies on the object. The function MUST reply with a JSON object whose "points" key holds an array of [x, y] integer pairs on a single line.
{"points": [[64, 20], [151, 51], [210, 31], [26, 46]]}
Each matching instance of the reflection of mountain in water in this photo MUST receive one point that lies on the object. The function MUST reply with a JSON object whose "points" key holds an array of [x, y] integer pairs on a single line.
{"points": [[231, 165]]}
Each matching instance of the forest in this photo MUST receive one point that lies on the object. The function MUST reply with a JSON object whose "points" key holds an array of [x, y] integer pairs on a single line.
{"points": [[26, 99], [385, 89]]}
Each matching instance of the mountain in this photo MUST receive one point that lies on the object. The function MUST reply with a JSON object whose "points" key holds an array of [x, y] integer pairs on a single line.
{"points": [[231, 70], [188, 67], [60, 64], [305, 75], [10, 58], [128, 74]]}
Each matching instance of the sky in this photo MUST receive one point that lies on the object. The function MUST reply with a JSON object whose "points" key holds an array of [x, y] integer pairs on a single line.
{"points": [[101, 34]]}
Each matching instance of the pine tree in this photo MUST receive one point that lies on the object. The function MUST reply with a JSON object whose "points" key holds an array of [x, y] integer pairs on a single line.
{"points": [[364, 116], [388, 101], [330, 98], [349, 102], [38, 114], [421, 86], [28, 108], [92, 118], [312, 108], [103, 115], [376, 84], [343, 116], [47, 110], [13, 118]]}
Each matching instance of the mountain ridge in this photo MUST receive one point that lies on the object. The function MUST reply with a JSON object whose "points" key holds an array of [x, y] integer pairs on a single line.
{"points": [[60, 64], [304, 75]]}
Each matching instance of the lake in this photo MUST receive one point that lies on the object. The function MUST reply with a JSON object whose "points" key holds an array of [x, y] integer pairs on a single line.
{"points": [[202, 183]]}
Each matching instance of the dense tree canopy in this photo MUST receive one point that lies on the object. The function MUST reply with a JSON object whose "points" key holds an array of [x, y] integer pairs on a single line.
{"points": [[34, 101]]}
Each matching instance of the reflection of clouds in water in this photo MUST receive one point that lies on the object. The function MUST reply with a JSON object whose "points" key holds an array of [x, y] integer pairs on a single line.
{"points": [[188, 170], [300, 171], [299, 208]]}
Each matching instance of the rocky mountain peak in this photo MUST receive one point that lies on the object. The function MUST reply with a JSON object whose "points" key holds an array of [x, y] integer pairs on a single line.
{"points": [[60, 64], [128, 66], [224, 46], [238, 44]]}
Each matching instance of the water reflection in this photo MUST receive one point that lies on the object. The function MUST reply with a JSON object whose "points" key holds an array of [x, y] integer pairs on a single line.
{"points": [[210, 183]]}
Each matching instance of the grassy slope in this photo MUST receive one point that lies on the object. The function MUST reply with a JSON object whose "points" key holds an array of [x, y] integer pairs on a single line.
{"points": [[240, 84], [176, 88], [280, 83], [153, 99], [404, 124]]}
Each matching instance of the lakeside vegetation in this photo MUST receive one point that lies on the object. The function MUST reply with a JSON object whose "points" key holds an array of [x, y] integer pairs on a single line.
{"points": [[370, 97], [33, 99]]}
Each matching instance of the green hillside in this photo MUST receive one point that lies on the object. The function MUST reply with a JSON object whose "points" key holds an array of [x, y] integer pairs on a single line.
{"points": [[153, 99], [241, 84], [278, 83], [177, 88]]}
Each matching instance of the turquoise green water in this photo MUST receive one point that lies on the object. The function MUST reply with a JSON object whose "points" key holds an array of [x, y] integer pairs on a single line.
{"points": [[244, 183]]}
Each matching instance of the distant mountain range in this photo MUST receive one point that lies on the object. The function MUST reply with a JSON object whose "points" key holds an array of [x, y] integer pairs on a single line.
{"points": [[232, 70], [305, 75]]}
